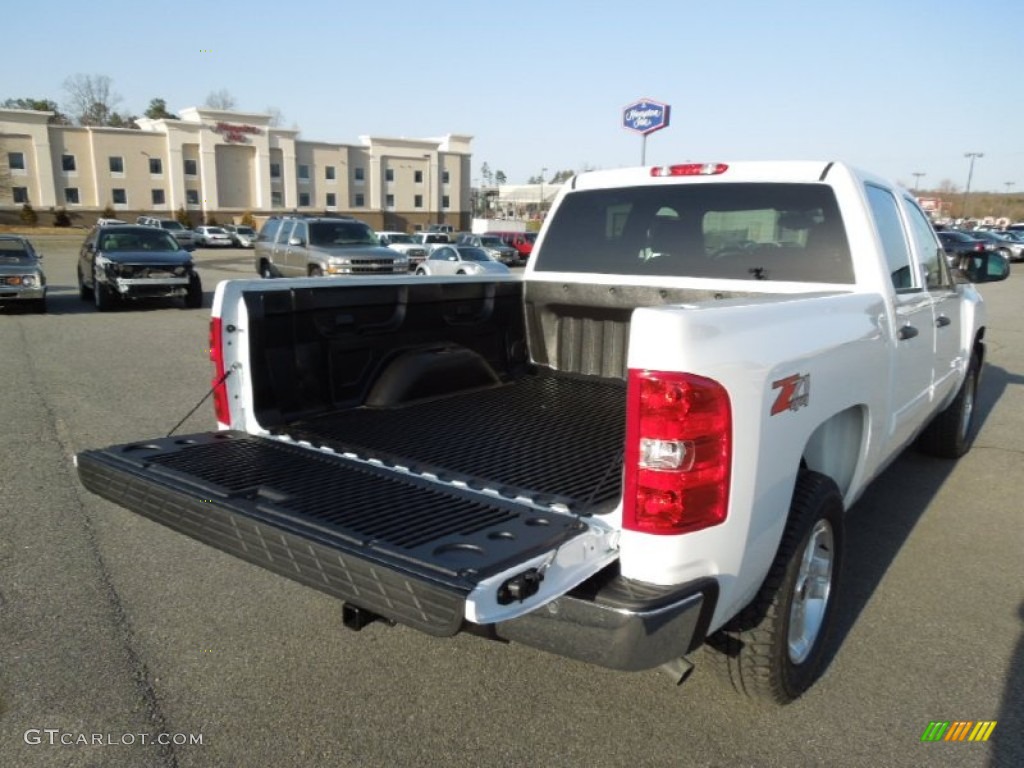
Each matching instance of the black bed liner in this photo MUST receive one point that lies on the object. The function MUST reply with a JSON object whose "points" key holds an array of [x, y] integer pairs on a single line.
{"points": [[405, 547], [551, 436]]}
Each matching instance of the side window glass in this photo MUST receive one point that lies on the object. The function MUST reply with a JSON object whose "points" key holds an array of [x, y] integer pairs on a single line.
{"points": [[930, 253], [269, 231], [891, 233], [301, 231], [286, 232]]}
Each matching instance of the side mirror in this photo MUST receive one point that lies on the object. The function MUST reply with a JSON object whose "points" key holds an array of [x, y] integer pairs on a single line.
{"points": [[90, 247], [295, 241], [984, 267]]}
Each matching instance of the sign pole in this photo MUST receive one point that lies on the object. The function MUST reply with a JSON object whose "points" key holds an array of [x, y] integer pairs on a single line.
{"points": [[643, 150]]}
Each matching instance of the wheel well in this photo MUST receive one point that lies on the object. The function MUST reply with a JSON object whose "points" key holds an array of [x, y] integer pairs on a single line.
{"points": [[835, 447]]}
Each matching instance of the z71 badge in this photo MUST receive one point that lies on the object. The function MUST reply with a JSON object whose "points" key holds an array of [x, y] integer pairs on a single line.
{"points": [[794, 393]]}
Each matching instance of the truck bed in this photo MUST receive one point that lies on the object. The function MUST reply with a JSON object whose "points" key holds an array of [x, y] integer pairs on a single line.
{"points": [[549, 436]]}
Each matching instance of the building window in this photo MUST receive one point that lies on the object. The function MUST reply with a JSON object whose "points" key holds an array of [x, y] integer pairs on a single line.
{"points": [[116, 164], [158, 197], [16, 161], [358, 174], [329, 173], [332, 200], [418, 177], [389, 201], [444, 177], [156, 166], [119, 196], [71, 195], [303, 173], [389, 174], [275, 170], [190, 168], [192, 196], [67, 163], [275, 198], [304, 199], [417, 201], [20, 194], [445, 202], [359, 201]]}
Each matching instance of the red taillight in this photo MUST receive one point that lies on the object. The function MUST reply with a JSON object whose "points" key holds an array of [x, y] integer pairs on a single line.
{"points": [[220, 389], [678, 453], [689, 169]]}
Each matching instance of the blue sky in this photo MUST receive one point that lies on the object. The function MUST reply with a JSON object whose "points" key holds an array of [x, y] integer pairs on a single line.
{"points": [[896, 86]]}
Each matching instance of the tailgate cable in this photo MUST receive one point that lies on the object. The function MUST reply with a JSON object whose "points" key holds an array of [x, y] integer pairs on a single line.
{"points": [[206, 397]]}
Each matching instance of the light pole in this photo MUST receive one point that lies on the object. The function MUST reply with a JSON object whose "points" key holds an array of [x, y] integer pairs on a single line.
{"points": [[917, 180], [972, 156], [540, 205]]}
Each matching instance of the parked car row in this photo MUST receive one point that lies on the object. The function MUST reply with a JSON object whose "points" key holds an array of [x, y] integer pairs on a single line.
{"points": [[299, 245], [1009, 244], [207, 236]]}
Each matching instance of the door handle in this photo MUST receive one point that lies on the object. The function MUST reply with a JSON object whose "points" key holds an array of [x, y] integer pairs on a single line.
{"points": [[942, 321], [906, 332]]}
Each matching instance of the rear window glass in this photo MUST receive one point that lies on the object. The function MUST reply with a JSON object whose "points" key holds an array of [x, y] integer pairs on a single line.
{"points": [[748, 231]]}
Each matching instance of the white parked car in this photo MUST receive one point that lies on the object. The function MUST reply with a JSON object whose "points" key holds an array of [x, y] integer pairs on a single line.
{"points": [[431, 240], [213, 236], [460, 260], [241, 236]]}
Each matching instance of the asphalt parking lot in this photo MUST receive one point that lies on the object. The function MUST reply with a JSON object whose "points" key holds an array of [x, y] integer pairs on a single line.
{"points": [[113, 626]]}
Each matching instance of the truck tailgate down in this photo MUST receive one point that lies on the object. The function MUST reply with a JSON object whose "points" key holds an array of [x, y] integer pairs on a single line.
{"points": [[398, 544]]}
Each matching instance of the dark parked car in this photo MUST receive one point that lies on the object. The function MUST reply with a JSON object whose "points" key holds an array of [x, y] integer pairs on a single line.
{"points": [[957, 244], [131, 262], [21, 275], [1009, 249]]}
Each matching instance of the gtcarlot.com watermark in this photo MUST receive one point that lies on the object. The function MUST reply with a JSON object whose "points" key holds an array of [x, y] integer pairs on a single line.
{"points": [[58, 738]]}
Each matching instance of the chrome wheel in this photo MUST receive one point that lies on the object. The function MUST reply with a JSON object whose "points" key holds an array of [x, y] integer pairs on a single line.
{"points": [[811, 592]]}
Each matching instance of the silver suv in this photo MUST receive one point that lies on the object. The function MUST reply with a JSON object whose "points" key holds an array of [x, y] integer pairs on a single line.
{"points": [[315, 246], [184, 236]]}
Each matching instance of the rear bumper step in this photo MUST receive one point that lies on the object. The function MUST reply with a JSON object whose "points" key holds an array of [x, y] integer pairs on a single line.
{"points": [[404, 548]]}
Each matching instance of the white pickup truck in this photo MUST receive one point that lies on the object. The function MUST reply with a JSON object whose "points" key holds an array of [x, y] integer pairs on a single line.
{"points": [[647, 444]]}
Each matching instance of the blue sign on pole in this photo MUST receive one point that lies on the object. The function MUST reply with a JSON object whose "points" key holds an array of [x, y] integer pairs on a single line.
{"points": [[645, 116]]}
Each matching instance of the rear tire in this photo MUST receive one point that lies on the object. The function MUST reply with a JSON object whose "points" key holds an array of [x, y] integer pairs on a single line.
{"points": [[421, 271], [951, 433], [773, 650], [265, 271]]}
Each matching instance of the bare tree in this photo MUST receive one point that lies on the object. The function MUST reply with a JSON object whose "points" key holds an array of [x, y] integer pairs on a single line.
{"points": [[276, 117], [91, 100], [221, 99]]}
